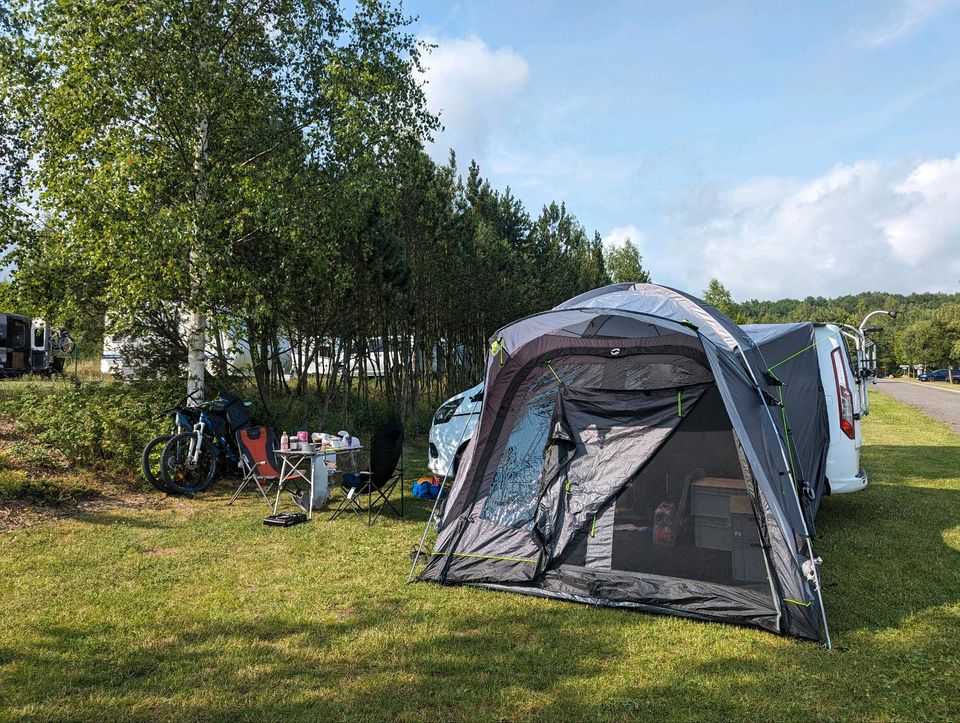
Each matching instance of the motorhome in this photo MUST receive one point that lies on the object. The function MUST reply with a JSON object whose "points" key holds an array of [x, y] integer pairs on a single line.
{"points": [[29, 346]]}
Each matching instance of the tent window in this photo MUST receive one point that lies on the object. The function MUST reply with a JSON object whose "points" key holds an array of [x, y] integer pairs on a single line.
{"points": [[664, 371], [516, 483]]}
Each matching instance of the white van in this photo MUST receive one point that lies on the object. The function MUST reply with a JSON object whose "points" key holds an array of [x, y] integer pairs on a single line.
{"points": [[844, 410], [456, 419]]}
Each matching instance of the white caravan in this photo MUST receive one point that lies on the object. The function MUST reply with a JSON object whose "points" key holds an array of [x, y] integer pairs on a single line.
{"points": [[237, 353]]}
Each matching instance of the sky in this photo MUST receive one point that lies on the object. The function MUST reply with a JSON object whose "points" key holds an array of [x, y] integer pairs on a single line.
{"points": [[788, 149]]}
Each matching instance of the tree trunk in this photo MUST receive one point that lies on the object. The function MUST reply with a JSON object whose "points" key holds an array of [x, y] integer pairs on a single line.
{"points": [[196, 319], [196, 343]]}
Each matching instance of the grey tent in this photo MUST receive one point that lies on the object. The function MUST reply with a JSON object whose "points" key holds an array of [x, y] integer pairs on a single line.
{"points": [[628, 454], [790, 350]]}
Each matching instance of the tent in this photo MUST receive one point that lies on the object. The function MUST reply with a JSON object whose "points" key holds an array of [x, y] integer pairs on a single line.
{"points": [[629, 454], [791, 351]]}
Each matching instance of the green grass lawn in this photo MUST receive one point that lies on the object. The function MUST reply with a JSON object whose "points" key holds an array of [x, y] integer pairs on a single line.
{"points": [[191, 609]]}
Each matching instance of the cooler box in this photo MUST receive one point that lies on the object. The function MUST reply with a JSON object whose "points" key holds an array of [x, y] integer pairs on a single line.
{"points": [[710, 505]]}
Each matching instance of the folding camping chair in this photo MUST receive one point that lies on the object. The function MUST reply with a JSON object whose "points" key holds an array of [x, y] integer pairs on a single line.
{"points": [[369, 492], [256, 445]]}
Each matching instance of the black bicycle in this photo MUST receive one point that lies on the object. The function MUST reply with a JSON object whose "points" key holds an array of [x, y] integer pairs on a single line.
{"points": [[183, 418], [192, 460]]}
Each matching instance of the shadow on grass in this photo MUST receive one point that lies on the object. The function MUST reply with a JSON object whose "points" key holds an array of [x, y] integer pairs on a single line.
{"points": [[479, 665], [274, 668], [390, 651]]}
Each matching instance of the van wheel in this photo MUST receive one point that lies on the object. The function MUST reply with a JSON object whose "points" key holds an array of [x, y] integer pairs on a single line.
{"points": [[457, 456]]}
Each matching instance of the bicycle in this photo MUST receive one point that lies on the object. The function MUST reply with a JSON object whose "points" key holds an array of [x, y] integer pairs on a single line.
{"points": [[191, 461], [62, 343], [184, 417]]}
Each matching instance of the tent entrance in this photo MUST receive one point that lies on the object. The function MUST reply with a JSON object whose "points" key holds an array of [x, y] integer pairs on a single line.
{"points": [[684, 514]]}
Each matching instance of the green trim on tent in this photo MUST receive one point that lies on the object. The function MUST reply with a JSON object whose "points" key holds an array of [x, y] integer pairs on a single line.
{"points": [[489, 557], [550, 367], [496, 347], [784, 361], [783, 416]]}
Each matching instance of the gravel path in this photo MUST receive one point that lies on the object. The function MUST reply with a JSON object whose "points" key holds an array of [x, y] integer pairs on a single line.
{"points": [[934, 401]]}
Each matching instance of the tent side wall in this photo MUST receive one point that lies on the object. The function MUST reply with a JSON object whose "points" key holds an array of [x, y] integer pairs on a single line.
{"points": [[790, 350]]}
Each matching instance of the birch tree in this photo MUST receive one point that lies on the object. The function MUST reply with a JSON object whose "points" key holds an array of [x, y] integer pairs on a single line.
{"points": [[165, 134]]}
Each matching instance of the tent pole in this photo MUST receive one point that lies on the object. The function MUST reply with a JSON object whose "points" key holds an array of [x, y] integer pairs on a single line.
{"points": [[436, 502], [803, 519]]}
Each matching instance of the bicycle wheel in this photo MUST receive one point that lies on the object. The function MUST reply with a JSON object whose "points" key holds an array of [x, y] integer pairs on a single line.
{"points": [[150, 462], [183, 469], [66, 344]]}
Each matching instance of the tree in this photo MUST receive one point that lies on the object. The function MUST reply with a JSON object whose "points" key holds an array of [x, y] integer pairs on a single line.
{"points": [[624, 264], [928, 342], [175, 140], [718, 296]]}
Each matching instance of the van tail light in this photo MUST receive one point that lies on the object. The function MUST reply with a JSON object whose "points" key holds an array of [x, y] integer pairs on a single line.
{"points": [[844, 395]]}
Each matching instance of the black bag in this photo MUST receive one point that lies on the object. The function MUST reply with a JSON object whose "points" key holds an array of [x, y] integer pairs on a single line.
{"points": [[285, 519], [233, 409]]}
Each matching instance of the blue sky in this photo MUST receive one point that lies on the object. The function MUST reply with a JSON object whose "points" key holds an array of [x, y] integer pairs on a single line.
{"points": [[787, 148]]}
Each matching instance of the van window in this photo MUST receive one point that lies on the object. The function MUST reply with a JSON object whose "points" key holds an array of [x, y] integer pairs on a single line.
{"points": [[17, 334], [38, 334]]}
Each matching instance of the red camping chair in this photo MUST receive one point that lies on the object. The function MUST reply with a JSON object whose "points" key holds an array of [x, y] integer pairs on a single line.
{"points": [[256, 446]]}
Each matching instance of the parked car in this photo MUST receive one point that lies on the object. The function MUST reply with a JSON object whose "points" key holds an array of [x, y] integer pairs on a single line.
{"points": [[939, 375], [453, 426]]}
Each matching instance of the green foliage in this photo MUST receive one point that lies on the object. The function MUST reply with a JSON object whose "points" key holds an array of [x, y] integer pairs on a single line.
{"points": [[175, 144], [262, 166], [932, 338], [925, 331], [34, 455], [624, 264], [104, 426], [718, 296]]}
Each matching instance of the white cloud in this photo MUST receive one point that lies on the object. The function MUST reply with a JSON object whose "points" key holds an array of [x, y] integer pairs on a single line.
{"points": [[865, 226], [911, 15], [616, 236], [470, 86]]}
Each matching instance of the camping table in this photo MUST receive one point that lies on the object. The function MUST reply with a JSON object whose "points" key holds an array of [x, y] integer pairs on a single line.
{"points": [[293, 461]]}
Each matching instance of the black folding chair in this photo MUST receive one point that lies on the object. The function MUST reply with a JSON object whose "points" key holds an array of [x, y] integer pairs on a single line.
{"points": [[368, 492]]}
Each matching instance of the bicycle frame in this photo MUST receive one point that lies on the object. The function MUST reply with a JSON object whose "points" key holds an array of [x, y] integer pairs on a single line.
{"points": [[220, 442]]}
